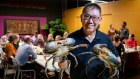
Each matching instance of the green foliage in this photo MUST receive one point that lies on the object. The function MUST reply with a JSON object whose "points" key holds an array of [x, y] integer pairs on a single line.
{"points": [[44, 27], [55, 25]]}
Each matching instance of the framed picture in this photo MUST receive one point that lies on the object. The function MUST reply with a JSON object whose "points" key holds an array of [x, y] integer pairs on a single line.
{"points": [[21, 26]]}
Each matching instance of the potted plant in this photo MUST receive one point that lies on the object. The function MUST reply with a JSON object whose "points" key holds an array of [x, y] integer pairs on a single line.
{"points": [[55, 27]]}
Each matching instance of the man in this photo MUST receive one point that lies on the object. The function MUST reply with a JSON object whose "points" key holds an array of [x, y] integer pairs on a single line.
{"points": [[24, 52], [124, 32], [34, 37], [89, 34], [4, 40]]}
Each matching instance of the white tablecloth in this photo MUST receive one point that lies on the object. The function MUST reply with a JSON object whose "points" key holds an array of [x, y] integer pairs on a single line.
{"points": [[42, 61], [130, 50]]}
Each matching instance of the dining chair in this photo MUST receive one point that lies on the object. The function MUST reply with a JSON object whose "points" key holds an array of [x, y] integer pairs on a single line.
{"points": [[19, 71]]}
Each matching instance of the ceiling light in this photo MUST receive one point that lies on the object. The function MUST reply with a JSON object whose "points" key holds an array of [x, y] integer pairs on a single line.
{"points": [[98, 1]]}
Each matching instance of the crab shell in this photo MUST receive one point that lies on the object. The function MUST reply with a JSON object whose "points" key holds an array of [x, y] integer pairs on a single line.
{"points": [[69, 42], [53, 46], [110, 58], [50, 47]]}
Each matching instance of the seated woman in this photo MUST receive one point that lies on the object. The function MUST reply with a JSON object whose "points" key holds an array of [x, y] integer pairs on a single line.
{"points": [[120, 48], [58, 38], [131, 42], [40, 41], [50, 38], [16, 43], [118, 44], [112, 31], [10, 49]]}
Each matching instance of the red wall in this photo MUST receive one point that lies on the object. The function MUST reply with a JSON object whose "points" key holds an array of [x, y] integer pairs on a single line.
{"points": [[43, 20]]}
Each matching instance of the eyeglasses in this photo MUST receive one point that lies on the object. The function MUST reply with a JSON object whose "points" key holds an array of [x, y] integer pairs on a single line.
{"points": [[87, 17]]}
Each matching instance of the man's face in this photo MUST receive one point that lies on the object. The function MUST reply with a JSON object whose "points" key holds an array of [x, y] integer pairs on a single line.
{"points": [[90, 19]]}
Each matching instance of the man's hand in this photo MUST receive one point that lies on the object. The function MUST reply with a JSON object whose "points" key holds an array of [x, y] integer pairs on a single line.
{"points": [[63, 65], [62, 62]]}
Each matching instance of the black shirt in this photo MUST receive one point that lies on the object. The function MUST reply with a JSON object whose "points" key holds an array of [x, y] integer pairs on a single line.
{"points": [[79, 72]]}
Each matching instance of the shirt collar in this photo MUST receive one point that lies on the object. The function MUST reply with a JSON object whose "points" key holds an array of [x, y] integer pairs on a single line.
{"points": [[97, 36]]}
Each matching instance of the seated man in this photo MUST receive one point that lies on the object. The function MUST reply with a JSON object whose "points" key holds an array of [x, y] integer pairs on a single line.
{"points": [[4, 40], [24, 52]]}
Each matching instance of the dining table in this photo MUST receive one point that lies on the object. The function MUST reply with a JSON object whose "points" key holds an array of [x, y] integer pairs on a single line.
{"points": [[132, 58], [44, 61]]}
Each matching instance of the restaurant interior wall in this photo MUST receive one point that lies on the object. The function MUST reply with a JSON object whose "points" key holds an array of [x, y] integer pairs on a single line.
{"points": [[112, 13], [42, 21], [50, 13]]}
